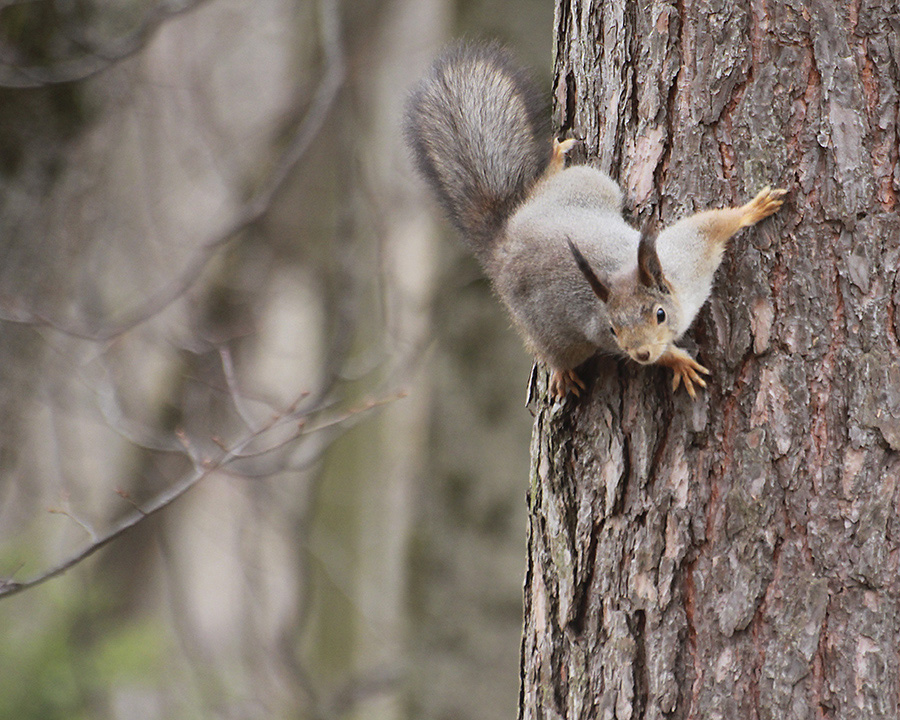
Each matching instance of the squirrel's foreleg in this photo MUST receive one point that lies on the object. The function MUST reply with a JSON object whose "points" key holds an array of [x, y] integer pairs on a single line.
{"points": [[717, 226], [764, 204]]}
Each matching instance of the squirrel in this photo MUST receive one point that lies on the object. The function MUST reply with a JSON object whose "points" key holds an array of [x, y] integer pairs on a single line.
{"points": [[575, 277]]}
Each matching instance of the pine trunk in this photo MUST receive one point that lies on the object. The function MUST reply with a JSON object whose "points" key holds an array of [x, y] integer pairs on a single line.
{"points": [[735, 556]]}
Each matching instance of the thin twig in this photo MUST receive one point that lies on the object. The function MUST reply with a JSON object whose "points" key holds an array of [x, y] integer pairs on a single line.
{"points": [[203, 468], [92, 534], [236, 397], [164, 499]]}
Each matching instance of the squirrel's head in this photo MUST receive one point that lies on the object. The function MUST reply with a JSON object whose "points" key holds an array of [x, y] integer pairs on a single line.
{"points": [[643, 313]]}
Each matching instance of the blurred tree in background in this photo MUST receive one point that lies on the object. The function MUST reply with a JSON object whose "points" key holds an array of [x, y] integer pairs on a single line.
{"points": [[218, 275]]}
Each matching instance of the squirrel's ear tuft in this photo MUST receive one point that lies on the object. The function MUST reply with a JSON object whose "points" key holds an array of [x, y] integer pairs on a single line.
{"points": [[600, 290], [650, 270]]}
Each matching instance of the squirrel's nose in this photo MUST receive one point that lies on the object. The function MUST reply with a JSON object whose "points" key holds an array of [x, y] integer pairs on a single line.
{"points": [[642, 355]]}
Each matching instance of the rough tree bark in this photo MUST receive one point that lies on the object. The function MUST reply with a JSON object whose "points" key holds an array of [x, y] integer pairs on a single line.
{"points": [[736, 556]]}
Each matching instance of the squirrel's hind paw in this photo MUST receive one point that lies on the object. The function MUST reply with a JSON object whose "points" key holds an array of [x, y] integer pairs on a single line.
{"points": [[764, 204], [558, 155], [563, 381]]}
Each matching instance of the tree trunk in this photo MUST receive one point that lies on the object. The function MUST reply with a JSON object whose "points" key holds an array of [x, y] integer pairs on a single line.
{"points": [[735, 556]]}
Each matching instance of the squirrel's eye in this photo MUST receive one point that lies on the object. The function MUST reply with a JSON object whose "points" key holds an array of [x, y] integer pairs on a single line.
{"points": [[660, 316], [612, 330]]}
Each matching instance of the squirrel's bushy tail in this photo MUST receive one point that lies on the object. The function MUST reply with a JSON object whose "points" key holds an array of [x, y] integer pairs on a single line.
{"points": [[477, 126]]}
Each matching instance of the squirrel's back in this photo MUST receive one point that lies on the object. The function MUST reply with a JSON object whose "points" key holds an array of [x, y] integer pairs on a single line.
{"points": [[477, 127]]}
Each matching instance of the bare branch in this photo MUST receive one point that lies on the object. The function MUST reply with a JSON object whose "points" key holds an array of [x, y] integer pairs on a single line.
{"points": [[342, 420], [249, 214], [98, 59], [111, 411], [9, 587], [83, 524], [203, 468]]}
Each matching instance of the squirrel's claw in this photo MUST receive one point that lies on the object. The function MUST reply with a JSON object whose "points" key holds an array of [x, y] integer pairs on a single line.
{"points": [[685, 369], [764, 204], [564, 381], [690, 376]]}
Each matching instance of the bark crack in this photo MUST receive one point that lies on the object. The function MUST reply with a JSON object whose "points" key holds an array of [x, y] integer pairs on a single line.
{"points": [[893, 326], [818, 667], [583, 591], [690, 608], [640, 676], [571, 103], [662, 166], [820, 400]]}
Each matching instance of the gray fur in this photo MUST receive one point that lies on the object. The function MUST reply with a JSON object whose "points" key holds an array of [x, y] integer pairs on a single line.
{"points": [[583, 205], [690, 265], [477, 127]]}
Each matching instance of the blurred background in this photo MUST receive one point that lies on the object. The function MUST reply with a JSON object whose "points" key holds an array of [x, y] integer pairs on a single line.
{"points": [[216, 264]]}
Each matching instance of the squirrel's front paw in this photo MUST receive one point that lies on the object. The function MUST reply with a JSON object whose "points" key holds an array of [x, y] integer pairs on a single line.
{"points": [[563, 381], [763, 205], [686, 370]]}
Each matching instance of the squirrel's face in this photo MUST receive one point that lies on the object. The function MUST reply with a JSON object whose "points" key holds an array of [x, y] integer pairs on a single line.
{"points": [[642, 322], [642, 311]]}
